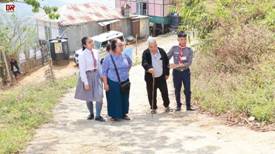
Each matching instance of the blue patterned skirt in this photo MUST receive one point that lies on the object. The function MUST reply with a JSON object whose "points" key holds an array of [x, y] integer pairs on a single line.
{"points": [[117, 102], [96, 92]]}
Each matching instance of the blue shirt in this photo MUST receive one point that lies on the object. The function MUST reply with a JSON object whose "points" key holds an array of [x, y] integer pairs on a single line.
{"points": [[157, 64], [123, 64]]}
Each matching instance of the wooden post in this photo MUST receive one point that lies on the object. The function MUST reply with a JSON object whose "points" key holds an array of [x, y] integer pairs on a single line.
{"points": [[136, 57], [136, 45], [162, 28], [51, 73]]}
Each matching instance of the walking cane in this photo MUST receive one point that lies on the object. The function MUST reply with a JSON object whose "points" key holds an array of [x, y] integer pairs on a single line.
{"points": [[153, 95]]}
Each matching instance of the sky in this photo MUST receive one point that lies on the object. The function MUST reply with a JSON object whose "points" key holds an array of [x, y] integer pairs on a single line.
{"points": [[25, 11]]}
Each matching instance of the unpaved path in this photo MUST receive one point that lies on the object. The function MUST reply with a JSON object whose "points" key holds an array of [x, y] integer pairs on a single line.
{"points": [[190, 133], [183, 132]]}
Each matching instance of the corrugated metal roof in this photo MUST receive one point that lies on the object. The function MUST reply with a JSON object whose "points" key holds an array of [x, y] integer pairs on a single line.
{"points": [[73, 14], [104, 23]]}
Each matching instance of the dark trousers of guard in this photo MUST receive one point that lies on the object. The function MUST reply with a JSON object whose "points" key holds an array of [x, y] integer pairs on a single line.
{"points": [[182, 78], [160, 83]]}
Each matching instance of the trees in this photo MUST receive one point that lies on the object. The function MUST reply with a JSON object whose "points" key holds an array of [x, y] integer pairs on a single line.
{"points": [[18, 35], [15, 36], [51, 11]]}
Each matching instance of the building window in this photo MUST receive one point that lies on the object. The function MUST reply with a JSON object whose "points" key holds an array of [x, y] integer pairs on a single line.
{"points": [[142, 8]]}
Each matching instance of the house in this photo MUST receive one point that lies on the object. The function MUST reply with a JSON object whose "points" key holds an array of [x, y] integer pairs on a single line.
{"points": [[87, 19], [158, 10]]}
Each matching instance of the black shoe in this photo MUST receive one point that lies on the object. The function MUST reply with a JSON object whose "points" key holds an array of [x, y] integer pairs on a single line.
{"points": [[190, 109], [114, 119], [126, 117], [178, 109], [153, 111], [90, 117], [167, 109], [101, 119]]}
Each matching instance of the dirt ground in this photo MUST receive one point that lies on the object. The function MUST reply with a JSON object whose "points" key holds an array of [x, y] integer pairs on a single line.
{"points": [[167, 133], [39, 75], [184, 132]]}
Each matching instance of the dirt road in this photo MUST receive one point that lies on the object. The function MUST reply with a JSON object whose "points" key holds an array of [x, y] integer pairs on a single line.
{"points": [[182, 132], [191, 133]]}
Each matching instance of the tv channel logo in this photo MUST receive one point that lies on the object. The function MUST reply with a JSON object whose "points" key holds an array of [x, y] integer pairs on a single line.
{"points": [[10, 7]]}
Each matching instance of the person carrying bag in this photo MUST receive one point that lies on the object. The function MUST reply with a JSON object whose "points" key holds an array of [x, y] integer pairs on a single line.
{"points": [[124, 86], [115, 74]]}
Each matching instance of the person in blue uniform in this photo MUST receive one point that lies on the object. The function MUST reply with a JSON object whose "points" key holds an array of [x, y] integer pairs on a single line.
{"points": [[182, 56]]}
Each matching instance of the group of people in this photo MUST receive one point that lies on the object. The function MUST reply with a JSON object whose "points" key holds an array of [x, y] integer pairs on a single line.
{"points": [[112, 75]]}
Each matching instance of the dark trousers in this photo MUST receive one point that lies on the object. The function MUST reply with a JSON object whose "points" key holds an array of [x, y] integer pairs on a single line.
{"points": [[160, 83], [179, 78]]}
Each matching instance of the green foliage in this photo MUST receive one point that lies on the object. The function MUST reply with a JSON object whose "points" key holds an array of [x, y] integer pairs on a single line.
{"points": [[250, 93], [234, 69], [34, 3], [24, 109], [50, 11], [16, 35], [194, 16], [239, 47], [206, 15]]}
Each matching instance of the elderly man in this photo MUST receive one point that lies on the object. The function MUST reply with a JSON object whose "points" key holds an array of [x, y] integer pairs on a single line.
{"points": [[156, 65], [182, 56]]}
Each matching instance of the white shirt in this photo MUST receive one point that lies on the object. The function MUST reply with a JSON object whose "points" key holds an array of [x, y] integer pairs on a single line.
{"points": [[157, 64], [86, 63]]}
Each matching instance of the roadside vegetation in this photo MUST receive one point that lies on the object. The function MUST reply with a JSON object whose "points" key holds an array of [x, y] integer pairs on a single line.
{"points": [[23, 109], [234, 66]]}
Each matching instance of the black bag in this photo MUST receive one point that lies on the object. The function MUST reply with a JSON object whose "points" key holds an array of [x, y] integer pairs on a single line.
{"points": [[125, 85]]}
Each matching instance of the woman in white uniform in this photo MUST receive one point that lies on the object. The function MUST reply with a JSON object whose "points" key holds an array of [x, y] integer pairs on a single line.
{"points": [[89, 86]]}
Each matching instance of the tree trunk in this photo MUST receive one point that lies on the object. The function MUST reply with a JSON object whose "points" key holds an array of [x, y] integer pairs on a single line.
{"points": [[6, 66]]}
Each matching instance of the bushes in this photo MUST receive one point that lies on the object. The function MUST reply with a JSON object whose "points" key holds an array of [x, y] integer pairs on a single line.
{"points": [[204, 16], [240, 47], [247, 93], [234, 68]]}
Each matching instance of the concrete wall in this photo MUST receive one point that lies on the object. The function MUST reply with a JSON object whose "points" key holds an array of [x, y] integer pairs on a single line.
{"points": [[144, 27], [76, 32], [124, 26]]}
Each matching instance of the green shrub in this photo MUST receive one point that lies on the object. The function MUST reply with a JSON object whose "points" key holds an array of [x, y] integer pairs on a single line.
{"points": [[237, 47], [250, 93], [264, 113]]}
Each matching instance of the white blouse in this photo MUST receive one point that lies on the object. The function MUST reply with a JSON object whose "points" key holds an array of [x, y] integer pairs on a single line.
{"points": [[86, 63]]}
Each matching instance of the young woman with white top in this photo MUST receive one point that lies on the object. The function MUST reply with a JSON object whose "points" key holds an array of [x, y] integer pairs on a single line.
{"points": [[89, 86]]}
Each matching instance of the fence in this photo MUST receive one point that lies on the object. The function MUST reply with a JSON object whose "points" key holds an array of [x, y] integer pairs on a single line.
{"points": [[28, 61]]}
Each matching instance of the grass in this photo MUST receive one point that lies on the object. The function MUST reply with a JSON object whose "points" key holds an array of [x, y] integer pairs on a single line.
{"points": [[250, 93], [22, 110]]}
